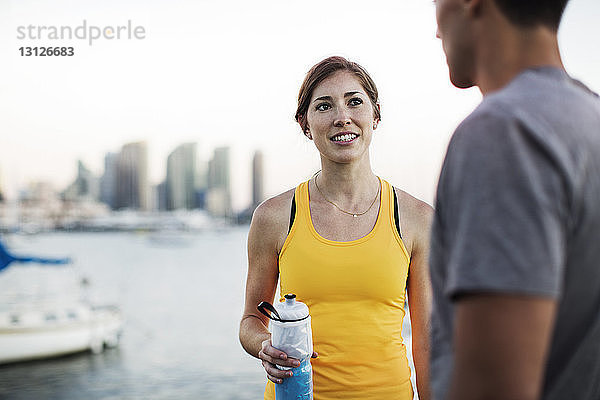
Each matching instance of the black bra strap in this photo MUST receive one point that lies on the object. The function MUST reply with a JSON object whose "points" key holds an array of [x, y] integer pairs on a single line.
{"points": [[397, 222], [396, 215], [293, 213]]}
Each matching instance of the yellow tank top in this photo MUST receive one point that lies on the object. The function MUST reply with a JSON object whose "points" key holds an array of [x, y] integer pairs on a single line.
{"points": [[355, 292]]}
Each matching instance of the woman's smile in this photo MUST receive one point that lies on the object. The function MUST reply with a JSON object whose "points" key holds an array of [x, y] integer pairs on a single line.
{"points": [[344, 138]]}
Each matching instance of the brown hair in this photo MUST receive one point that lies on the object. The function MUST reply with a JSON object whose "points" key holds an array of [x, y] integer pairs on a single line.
{"points": [[324, 69], [531, 13]]}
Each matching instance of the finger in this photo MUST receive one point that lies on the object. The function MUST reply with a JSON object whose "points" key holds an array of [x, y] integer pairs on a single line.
{"points": [[265, 357], [275, 372], [273, 379], [274, 357], [289, 362], [278, 357], [273, 352]]}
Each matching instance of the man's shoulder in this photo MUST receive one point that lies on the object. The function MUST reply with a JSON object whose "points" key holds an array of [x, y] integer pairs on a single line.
{"points": [[506, 104], [539, 103], [544, 93], [487, 124]]}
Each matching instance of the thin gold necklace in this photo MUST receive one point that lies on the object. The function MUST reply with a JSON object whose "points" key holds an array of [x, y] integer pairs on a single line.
{"points": [[339, 208]]}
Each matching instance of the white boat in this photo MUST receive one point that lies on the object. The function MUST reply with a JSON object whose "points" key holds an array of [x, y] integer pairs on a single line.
{"points": [[33, 331], [43, 311], [169, 238]]}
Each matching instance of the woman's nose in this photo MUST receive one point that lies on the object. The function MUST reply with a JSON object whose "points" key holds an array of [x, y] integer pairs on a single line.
{"points": [[342, 117]]}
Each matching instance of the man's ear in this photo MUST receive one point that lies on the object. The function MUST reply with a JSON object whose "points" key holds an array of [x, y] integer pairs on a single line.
{"points": [[473, 7]]}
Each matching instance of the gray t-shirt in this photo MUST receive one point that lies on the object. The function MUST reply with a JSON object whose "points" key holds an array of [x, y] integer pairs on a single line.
{"points": [[518, 212]]}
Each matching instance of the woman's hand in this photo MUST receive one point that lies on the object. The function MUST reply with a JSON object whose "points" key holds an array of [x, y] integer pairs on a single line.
{"points": [[271, 357]]}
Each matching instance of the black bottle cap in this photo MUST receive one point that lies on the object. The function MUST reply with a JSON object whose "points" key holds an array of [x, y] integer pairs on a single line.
{"points": [[290, 296]]}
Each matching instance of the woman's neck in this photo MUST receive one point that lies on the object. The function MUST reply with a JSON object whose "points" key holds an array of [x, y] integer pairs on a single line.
{"points": [[348, 182]]}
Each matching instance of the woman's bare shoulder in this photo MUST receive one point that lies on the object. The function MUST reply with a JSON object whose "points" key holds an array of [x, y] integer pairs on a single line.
{"points": [[415, 219], [415, 209], [271, 218], [274, 209]]}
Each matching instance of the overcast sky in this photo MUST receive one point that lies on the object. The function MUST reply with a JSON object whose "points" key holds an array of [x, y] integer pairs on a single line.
{"points": [[227, 73]]}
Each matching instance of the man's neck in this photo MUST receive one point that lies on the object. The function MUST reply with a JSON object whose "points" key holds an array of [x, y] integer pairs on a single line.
{"points": [[506, 52]]}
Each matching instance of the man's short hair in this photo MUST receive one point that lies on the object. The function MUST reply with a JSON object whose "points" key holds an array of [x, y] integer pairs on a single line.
{"points": [[530, 13]]}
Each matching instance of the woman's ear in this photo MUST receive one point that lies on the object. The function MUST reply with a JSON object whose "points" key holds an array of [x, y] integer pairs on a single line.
{"points": [[305, 129], [376, 120]]}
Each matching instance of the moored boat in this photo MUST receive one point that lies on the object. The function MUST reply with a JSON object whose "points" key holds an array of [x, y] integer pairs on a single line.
{"points": [[43, 313], [34, 331]]}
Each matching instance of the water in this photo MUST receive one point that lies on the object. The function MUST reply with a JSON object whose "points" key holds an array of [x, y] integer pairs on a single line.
{"points": [[182, 299]]}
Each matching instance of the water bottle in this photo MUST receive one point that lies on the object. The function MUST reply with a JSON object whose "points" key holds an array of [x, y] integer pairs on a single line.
{"points": [[291, 333]]}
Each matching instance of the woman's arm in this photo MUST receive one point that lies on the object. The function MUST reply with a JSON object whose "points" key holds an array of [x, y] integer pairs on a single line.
{"points": [[268, 230], [417, 218]]}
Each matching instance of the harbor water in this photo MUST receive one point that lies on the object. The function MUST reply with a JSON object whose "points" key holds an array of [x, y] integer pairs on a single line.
{"points": [[182, 298]]}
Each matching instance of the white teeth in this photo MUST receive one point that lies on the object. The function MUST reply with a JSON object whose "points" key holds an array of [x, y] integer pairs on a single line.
{"points": [[344, 138]]}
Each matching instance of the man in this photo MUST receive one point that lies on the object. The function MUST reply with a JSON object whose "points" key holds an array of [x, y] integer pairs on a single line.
{"points": [[515, 256]]}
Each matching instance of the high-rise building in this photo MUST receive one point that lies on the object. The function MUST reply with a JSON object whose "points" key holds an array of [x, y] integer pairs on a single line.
{"points": [[108, 181], [132, 189], [257, 179], [181, 177], [85, 186], [160, 193], [218, 196], [1, 191], [201, 184]]}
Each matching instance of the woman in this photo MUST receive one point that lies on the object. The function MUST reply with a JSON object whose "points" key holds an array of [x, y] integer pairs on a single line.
{"points": [[342, 246]]}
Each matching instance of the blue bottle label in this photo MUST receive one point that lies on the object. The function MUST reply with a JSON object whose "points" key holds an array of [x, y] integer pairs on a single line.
{"points": [[297, 387]]}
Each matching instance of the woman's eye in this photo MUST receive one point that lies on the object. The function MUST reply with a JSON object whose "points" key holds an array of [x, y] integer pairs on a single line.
{"points": [[355, 101], [323, 107]]}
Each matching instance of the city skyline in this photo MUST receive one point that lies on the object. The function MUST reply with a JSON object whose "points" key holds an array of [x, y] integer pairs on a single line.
{"points": [[227, 74], [67, 183], [189, 183]]}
